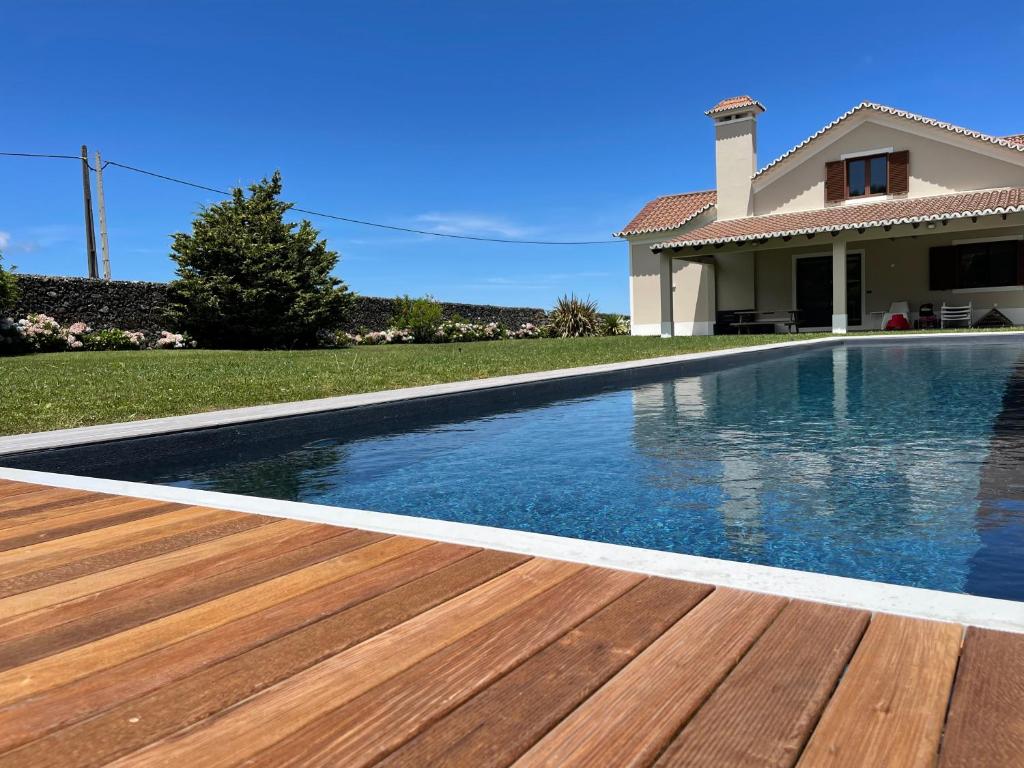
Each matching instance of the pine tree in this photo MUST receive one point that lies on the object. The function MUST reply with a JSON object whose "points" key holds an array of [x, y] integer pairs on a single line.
{"points": [[248, 279]]}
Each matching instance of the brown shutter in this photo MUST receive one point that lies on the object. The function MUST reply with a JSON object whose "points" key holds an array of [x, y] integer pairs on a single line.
{"points": [[942, 268], [899, 172], [835, 181]]}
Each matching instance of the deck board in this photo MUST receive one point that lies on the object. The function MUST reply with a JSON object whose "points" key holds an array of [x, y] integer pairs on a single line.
{"points": [[138, 632]]}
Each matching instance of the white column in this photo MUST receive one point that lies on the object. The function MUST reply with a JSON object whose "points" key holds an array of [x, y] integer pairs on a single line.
{"points": [[665, 295], [839, 318]]}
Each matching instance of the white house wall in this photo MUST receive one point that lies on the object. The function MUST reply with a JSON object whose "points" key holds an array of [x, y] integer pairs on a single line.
{"points": [[940, 163]]}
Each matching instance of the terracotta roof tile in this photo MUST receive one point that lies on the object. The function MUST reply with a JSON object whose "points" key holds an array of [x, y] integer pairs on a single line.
{"points": [[1017, 138], [669, 212], [1007, 141], [860, 215], [734, 102]]}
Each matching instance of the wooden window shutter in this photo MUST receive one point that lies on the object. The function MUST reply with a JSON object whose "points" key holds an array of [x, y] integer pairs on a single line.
{"points": [[835, 181], [899, 172], [942, 268]]}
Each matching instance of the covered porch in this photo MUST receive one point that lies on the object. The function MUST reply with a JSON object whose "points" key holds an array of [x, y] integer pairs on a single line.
{"points": [[839, 279]]}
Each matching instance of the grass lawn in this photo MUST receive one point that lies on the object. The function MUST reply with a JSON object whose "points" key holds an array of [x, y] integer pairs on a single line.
{"points": [[69, 389]]}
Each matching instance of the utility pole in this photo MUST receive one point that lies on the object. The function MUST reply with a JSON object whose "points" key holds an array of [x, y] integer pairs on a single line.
{"points": [[102, 203], [90, 233]]}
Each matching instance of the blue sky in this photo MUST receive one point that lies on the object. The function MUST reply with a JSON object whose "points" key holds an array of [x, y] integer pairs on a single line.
{"points": [[546, 120]]}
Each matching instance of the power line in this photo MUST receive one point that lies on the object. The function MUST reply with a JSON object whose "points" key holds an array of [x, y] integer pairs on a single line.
{"points": [[348, 219]]}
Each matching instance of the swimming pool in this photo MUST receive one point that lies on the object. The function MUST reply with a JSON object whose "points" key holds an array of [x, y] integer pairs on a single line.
{"points": [[894, 462]]}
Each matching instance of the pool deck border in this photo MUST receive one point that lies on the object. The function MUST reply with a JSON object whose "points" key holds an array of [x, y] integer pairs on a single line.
{"points": [[971, 610]]}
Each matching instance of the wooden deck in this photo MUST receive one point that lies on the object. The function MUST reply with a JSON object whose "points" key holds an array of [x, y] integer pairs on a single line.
{"points": [[136, 632]]}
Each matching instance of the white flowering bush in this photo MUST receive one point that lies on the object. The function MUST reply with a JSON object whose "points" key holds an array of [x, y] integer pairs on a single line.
{"points": [[42, 333], [456, 330], [527, 331], [169, 340], [12, 341], [112, 340], [76, 334]]}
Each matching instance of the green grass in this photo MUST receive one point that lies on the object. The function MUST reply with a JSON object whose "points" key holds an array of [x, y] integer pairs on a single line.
{"points": [[69, 389]]}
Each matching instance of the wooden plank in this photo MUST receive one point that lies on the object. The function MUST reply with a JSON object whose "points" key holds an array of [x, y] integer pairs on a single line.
{"points": [[54, 630], [252, 726], [365, 729], [128, 554], [11, 522], [51, 554], [393, 592], [890, 706], [634, 716], [510, 716], [51, 528], [43, 495], [75, 591], [62, 668], [763, 712], [986, 717]]}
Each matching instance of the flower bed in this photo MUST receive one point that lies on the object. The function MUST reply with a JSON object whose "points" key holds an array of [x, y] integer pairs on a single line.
{"points": [[450, 331], [41, 333]]}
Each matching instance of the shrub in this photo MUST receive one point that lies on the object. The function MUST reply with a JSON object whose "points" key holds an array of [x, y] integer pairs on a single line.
{"points": [[112, 340], [454, 330], [42, 333], [12, 341], [421, 317], [615, 325], [249, 279], [573, 316], [168, 340], [8, 287]]}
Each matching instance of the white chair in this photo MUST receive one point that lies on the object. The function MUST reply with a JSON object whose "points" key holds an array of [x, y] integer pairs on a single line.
{"points": [[948, 314], [896, 308]]}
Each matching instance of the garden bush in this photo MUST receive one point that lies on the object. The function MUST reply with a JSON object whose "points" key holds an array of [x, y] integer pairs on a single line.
{"points": [[8, 287], [112, 340], [421, 317], [573, 316], [614, 325], [249, 279]]}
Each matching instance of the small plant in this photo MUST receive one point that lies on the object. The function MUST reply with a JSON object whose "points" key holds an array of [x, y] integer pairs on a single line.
{"points": [[615, 325], [111, 339], [168, 340], [574, 317], [421, 317]]}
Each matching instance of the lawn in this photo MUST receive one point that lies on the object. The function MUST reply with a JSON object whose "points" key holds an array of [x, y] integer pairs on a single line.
{"points": [[74, 389]]}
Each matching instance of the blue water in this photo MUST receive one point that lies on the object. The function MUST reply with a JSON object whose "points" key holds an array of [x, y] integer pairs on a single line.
{"points": [[864, 461]]}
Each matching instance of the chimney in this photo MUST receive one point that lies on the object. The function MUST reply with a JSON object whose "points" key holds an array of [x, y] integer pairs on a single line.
{"points": [[735, 154]]}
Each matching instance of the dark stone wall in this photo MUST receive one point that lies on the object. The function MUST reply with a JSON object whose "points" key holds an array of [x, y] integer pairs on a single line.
{"points": [[138, 306], [129, 305]]}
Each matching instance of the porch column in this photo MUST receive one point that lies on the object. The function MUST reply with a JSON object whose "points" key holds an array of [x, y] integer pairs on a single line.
{"points": [[665, 295], [839, 318]]}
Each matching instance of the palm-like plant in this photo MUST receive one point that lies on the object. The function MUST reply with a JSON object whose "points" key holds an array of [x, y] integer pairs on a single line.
{"points": [[573, 316]]}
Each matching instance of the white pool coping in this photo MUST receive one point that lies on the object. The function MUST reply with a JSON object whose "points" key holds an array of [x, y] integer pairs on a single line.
{"points": [[970, 610]]}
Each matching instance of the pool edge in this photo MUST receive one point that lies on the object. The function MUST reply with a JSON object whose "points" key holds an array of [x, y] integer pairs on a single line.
{"points": [[970, 610]]}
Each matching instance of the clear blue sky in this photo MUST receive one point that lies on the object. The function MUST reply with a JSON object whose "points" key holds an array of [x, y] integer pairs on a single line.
{"points": [[541, 120]]}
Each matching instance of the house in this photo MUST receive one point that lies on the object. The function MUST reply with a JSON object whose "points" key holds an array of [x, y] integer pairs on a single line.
{"points": [[879, 206]]}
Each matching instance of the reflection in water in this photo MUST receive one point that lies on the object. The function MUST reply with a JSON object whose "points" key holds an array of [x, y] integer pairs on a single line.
{"points": [[860, 461]]}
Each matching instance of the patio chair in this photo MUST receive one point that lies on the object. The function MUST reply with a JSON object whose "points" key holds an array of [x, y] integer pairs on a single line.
{"points": [[950, 314], [896, 308]]}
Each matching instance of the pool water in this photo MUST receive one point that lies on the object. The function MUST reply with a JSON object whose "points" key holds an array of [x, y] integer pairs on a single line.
{"points": [[890, 462]]}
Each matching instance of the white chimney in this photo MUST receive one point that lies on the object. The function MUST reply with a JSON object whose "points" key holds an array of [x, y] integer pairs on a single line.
{"points": [[735, 154]]}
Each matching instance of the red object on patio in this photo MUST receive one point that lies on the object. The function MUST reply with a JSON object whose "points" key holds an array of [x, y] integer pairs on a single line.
{"points": [[898, 323]]}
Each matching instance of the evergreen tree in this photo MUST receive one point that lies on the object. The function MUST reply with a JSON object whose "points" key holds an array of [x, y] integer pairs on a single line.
{"points": [[248, 279]]}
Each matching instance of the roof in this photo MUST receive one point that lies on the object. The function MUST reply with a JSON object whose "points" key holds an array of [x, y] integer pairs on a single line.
{"points": [[1017, 138], [668, 212], [905, 211], [734, 102], [1012, 142]]}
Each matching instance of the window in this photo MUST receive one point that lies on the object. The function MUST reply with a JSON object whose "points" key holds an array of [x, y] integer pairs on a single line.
{"points": [[977, 265], [867, 176]]}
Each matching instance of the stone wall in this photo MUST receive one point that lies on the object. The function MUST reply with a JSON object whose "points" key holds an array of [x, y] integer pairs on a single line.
{"points": [[129, 305], [138, 306]]}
